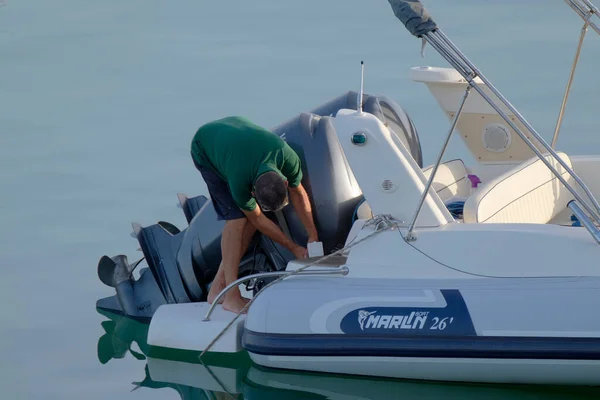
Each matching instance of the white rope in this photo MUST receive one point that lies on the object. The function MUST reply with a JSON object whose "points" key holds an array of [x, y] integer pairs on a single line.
{"points": [[382, 223]]}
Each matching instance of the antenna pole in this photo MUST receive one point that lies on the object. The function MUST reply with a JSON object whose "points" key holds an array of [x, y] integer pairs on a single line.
{"points": [[360, 95]]}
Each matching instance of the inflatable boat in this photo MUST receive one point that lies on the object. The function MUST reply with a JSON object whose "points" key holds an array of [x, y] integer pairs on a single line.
{"points": [[234, 375], [480, 273]]}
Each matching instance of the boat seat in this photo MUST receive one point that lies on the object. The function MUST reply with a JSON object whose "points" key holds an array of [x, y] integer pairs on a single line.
{"points": [[527, 193], [450, 179]]}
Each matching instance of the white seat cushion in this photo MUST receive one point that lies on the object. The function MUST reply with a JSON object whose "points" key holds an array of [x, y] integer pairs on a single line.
{"points": [[450, 179], [527, 193]]}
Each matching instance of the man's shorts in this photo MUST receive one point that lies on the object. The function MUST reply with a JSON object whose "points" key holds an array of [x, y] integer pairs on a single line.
{"points": [[220, 195]]}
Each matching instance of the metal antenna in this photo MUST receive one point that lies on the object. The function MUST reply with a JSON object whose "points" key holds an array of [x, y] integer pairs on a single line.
{"points": [[360, 94]]}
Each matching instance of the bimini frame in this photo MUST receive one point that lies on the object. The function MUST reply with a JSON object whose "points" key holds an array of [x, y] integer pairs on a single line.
{"points": [[420, 24], [586, 10]]}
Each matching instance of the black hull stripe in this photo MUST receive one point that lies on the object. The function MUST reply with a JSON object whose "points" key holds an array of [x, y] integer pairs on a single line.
{"points": [[339, 345]]}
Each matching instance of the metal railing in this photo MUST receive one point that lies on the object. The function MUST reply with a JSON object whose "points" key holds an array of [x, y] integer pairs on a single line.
{"points": [[439, 41], [410, 236], [585, 221], [329, 271], [586, 10], [448, 50]]}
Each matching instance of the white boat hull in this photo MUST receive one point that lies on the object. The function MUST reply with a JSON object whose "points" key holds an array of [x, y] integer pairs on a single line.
{"points": [[503, 371]]}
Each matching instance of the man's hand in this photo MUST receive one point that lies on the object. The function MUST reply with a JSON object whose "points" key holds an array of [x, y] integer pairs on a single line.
{"points": [[300, 253]]}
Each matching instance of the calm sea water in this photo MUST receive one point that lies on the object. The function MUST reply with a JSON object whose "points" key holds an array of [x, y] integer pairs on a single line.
{"points": [[98, 104]]}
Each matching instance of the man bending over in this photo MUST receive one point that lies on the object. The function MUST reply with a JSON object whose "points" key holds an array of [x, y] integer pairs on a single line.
{"points": [[242, 165]]}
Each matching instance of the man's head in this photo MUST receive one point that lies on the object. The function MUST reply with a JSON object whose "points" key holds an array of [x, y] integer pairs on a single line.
{"points": [[270, 190]]}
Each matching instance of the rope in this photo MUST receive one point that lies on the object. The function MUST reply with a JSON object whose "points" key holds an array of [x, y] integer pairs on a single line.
{"points": [[382, 223]]}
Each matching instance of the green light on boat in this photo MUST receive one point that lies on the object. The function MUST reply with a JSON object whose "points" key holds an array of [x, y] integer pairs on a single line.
{"points": [[359, 138]]}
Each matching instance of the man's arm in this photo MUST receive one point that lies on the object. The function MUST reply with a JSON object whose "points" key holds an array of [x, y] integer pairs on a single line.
{"points": [[292, 170], [301, 203], [268, 228]]}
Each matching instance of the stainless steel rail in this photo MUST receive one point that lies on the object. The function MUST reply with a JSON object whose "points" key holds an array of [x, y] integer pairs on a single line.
{"points": [[568, 89], [586, 10], [453, 55], [585, 220], [329, 271], [410, 236]]}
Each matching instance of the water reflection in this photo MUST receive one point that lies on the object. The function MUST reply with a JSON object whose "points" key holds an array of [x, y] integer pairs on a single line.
{"points": [[234, 376]]}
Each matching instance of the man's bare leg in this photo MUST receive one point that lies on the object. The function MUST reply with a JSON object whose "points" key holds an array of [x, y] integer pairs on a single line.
{"points": [[218, 283], [229, 239]]}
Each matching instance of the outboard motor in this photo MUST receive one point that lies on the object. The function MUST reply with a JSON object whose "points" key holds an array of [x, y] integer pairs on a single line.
{"points": [[327, 177], [386, 110], [182, 264]]}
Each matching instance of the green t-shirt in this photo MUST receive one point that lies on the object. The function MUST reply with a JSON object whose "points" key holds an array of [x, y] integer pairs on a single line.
{"points": [[239, 151]]}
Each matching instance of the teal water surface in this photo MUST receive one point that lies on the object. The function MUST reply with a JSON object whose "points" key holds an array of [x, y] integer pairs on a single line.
{"points": [[98, 104]]}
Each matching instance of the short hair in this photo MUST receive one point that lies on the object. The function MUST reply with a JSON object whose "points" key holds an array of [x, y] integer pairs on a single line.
{"points": [[271, 191]]}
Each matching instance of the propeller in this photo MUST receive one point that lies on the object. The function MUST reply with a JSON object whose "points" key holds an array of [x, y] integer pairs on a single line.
{"points": [[107, 266]]}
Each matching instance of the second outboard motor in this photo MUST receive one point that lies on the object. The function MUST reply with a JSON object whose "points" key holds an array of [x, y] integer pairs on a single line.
{"points": [[327, 177]]}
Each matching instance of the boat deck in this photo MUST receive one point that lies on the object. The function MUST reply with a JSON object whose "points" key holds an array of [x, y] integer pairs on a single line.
{"points": [[334, 261]]}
